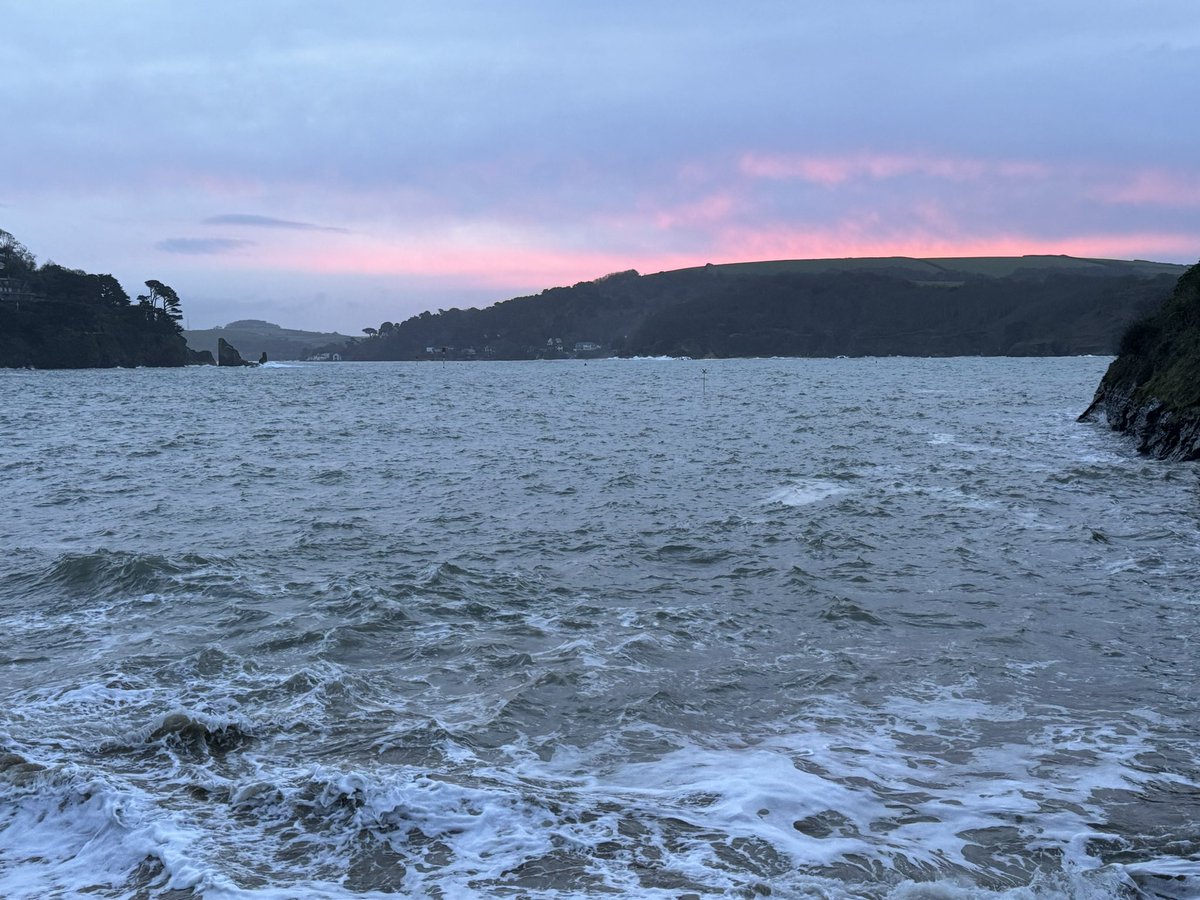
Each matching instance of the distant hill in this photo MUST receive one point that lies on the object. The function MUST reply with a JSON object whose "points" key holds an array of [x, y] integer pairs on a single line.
{"points": [[253, 337], [991, 306]]}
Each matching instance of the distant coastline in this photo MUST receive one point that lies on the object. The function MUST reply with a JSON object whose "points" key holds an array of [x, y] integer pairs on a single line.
{"points": [[53, 317], [255, 337], [895, 306]]}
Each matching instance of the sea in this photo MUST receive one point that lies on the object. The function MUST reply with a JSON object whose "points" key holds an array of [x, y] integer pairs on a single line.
{"points": [[644, 628]]}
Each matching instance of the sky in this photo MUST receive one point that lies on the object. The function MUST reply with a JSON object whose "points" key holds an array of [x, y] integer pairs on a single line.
{"points": [[333, 166]]}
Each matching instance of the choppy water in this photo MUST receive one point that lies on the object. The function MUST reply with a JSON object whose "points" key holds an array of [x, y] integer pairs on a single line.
{"points": [[836, 628]]}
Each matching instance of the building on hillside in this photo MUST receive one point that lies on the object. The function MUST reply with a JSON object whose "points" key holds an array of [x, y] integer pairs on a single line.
{"points": [[14, 292]]}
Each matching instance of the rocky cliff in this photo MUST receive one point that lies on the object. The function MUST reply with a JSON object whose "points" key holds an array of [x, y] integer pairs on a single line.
{"points": [[52, 317], [50, 333], [1152, 389]]}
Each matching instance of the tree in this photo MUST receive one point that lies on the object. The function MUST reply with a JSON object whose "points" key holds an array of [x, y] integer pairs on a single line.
{"points": [[370, 332], [14, 256], [110, 291], [161, 293]]}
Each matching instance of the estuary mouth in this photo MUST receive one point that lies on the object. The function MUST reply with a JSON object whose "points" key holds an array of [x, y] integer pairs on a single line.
{"points": [[662, 655]]}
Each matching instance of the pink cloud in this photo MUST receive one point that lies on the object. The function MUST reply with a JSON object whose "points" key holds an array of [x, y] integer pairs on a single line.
{"points": [[501, 266], [706, 211], [480, 265], [651, 237], [834, 170], [1154, 187], [856, 239]]}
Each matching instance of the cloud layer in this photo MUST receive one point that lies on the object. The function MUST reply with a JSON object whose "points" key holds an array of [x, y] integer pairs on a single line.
{"points": [[202, 246], [334, 168], [252, 221]]}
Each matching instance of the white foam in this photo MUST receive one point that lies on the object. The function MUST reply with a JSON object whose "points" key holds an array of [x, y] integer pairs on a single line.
{"points": [[70, 830], [804, 492], [65, 832]]}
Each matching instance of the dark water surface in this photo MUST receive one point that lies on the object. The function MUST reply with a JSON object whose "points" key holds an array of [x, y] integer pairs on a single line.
{"points": [[828, 628]]}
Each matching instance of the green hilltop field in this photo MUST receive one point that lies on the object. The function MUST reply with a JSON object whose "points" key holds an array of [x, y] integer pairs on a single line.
{"points": [[990, 266]]}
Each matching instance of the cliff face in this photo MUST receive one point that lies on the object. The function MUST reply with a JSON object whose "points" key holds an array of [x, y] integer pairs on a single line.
{"points": [[227, 355], [1152, 389], [44, 333]]}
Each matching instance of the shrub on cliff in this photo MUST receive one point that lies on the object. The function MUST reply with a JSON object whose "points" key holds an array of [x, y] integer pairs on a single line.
{"points": [[1160, 355]]}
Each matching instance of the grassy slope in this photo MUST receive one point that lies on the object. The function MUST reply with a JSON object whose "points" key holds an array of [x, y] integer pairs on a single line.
{"points": [[991, 266]]}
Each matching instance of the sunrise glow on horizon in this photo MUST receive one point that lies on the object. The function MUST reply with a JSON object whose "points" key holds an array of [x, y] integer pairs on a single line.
{"points": [[345, 169]]}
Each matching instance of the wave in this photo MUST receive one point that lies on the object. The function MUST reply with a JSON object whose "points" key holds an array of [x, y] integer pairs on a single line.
{"points": [[199, 734], [840, 812], [66, 831], [109, 574], [804, 492], [650, 358]]}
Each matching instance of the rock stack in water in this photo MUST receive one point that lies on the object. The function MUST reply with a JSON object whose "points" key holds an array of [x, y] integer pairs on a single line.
{"points": [[1152, 389], [227, 355]]}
